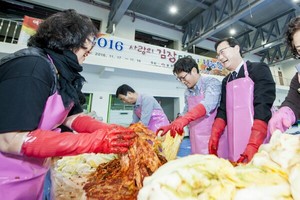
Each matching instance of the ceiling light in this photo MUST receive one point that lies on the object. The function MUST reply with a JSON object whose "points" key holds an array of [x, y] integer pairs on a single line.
{"points": [[268, 45], [232, 31], [173, 9]]}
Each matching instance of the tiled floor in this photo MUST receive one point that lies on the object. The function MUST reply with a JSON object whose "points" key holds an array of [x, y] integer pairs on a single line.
{"points": [[185, 147]]}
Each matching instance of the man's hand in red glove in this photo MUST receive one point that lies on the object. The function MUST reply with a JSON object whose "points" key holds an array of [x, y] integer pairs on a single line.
{"points": [[257, 137], [163, 130], [178, 124], [86, 124], [42, 143], [282, 119], [216, 132]]}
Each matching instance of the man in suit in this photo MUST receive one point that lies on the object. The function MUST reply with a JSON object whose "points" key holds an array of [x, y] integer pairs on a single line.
{"points": [[248, 93]]}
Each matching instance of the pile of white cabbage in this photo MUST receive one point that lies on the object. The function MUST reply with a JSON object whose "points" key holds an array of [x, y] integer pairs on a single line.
{"points": [[274, 173], [82, 164], [69, 174]]}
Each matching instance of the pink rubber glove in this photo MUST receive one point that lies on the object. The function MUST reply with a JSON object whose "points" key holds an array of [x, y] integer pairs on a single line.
{"points": [[282, 119], [178, 124]]}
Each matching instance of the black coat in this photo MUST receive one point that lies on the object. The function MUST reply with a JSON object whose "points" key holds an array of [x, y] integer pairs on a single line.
{"points": [[264, 91], [293, 98]]}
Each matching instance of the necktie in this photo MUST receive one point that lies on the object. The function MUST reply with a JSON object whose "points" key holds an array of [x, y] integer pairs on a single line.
{"points": [[234, 75]]}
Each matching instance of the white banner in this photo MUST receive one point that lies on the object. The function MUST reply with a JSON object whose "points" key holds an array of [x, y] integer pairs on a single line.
{"points": [[118, 49]]}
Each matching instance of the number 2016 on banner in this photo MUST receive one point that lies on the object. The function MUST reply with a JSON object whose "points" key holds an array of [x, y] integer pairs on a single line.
{"points": [[111, 44]]}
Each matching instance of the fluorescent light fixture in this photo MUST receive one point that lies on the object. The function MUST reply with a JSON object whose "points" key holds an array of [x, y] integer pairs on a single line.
{"points": [[268, 45], [263, 42], [173, 9], [232, 31]]}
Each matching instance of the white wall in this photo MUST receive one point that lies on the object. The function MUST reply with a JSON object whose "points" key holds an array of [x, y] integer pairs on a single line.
{"points": [[287, 68], [281, 92]]}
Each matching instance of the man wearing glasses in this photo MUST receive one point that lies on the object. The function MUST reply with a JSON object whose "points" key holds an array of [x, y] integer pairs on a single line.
{"points": [[202, 97], [248, 93]]}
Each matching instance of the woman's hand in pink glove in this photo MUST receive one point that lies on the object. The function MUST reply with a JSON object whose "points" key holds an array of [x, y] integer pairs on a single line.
{"points": [[282, 119]]}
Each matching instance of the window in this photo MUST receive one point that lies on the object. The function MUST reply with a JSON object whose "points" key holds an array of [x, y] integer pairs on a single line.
{"points": [[154, 40]]}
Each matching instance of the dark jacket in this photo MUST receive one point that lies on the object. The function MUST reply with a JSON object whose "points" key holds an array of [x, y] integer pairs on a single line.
{"points": [[292, 100], [264, 91]]}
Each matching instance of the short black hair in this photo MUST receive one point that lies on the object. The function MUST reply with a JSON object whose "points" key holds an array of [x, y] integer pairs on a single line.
{"points": [[124, 89], [231, 41], [293, 27], [185, 64], [65, 30]]}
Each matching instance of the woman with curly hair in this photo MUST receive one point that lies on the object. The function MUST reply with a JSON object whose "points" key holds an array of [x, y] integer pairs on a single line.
{"points": [[289, 110], [40, 89]]}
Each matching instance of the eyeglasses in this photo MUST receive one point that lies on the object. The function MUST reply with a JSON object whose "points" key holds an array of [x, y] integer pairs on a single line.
{"points": [[93, 41], [181, 79], [221, 52], [93, 44]]}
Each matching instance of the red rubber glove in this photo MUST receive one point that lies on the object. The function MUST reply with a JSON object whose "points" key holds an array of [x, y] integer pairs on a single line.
{"points": [[257, 137], [178, 124], [216, 132], [282, 119], [86, 124], [164, 129], [42, 143]]}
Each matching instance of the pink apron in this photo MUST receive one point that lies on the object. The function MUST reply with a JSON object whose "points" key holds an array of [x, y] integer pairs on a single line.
{"points": [[157, 120], [21, 177], [240, 113], [200, 130]]}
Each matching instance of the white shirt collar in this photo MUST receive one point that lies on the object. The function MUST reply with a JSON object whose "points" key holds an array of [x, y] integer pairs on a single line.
{"points": [[239, 67]]}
